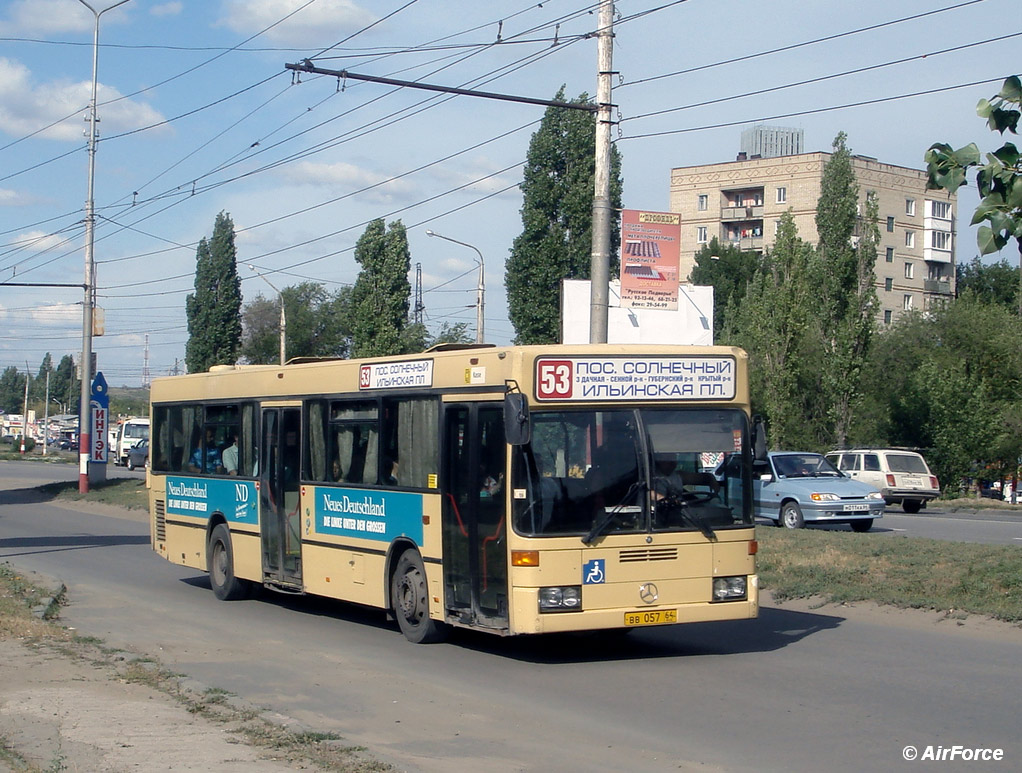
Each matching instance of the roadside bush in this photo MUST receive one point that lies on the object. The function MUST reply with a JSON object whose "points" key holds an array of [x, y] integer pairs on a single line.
{"points": [[29, 444]]}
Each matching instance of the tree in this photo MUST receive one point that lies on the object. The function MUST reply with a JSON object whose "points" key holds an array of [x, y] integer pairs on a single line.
{"points": [[214, 309], [315, 324], [37, 389], [557, 209], [848, 300], [728, 270], [999, 181], [992, 282], [380, 297], [774, 324], [65, 386]]}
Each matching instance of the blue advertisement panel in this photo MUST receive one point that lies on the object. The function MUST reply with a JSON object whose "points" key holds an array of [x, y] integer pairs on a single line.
{"points": [[375, 515], [236, 499]]}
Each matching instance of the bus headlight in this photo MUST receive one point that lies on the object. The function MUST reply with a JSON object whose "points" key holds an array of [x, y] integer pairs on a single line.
{"points": [[566, 598], [729, 588]]}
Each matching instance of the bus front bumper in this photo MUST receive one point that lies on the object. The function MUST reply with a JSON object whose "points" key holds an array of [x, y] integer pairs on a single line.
{"points": [[528, 619]]}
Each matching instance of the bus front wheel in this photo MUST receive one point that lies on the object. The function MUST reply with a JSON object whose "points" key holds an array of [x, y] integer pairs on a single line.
{"points": [[409, 598], [220, 564]]}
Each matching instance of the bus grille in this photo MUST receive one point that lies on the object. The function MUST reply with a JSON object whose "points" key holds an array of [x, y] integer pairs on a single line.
{"points": [[161, 520], [641, 555]]}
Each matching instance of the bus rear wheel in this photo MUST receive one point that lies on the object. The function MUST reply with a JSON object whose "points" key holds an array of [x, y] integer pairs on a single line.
{"points": [[220, 564], [409, 598]]}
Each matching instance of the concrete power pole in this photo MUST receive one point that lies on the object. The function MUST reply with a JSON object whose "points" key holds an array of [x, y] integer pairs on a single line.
{"points": [[600, 266]]}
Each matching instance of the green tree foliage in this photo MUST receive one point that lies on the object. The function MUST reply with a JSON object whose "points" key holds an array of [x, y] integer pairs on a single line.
{"points": [[728, 270], [37, 387], [994, 282], [214, 309], [999, 181], [556, 239], [844, 273], [316, 324], [774, 323], [12, 390], [949, 381], [380, 297], [65, 386]]}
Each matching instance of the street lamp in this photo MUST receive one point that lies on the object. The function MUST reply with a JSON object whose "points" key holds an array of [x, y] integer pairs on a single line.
{"points": [[480, 285], [85, 415], [283, 319]]}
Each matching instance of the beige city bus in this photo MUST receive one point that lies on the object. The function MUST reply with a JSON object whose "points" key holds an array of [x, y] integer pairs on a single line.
{"points": [[514, 490]]}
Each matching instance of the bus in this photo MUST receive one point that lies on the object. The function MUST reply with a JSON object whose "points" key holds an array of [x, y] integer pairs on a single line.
{"points": [[512, 490], [129, 432]]}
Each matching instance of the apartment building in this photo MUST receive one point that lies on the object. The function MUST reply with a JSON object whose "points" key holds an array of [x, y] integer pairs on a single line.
{"points": [[741, 203]]}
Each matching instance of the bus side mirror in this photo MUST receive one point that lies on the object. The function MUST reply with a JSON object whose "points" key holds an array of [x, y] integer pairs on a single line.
{"points": [[517, 426], [759, 441]]}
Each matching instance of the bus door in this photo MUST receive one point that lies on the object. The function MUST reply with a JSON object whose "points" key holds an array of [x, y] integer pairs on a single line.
{"points": [[279, 500], [474, 514]]}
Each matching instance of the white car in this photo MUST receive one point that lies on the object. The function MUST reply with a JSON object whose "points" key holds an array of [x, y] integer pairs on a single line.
{"points": [[902, 476]]}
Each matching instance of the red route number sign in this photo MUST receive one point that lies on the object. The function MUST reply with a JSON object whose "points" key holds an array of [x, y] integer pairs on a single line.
{"points": [[554, 379]]}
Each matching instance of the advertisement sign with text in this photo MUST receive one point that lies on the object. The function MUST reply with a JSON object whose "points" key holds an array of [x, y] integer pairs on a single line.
{"points": [[650, 259], [635, 378]]}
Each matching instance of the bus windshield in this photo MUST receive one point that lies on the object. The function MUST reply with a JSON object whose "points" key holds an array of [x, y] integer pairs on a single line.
{"points": [[592, 473]]}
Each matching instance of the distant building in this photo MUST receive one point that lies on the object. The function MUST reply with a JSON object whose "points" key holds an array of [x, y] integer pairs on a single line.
{"points": [[762, 141], [741, 203]]}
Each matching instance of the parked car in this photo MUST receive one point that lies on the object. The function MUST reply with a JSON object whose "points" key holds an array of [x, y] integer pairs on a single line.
{"points": [[800, 488], [902, 476], [138, 454]]}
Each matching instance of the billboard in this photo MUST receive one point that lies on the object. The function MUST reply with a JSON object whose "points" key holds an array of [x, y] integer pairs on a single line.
{"points": [[650, 259]]}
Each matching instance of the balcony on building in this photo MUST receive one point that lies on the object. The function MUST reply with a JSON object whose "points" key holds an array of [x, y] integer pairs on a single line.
{"points": [[742, 204], [937, 287]]}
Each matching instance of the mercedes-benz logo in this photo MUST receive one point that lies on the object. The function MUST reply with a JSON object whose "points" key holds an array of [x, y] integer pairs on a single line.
{"points": [[648, 593]]}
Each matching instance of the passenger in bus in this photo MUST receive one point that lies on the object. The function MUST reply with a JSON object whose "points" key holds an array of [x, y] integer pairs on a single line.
{"points": [[389, 472], [490, 486], [671, 481], [208, 461], [336, 473], [230, 454]]}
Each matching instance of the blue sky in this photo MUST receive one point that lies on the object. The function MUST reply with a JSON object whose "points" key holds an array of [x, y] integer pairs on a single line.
{"points": [[198, 115]]}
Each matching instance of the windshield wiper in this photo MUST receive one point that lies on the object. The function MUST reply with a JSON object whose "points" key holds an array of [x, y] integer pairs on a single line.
{"points": [[610, 513]]}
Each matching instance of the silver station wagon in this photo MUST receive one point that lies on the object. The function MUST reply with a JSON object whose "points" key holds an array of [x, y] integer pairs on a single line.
{"points": [[800, 488]]}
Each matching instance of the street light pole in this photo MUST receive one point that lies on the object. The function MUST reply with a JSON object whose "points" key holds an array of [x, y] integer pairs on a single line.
{"points": [[85, 412], [283, 318], [480, 285]]}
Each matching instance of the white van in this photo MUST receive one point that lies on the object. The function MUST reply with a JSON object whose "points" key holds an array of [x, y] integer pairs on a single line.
{"points": [[129, 432], [902, 476]]}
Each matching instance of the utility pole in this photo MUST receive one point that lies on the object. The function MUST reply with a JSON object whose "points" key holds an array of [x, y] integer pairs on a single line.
{"points": [[85, 411], [24, 419], [419, 307], [46, 416], [145, 363], [600, 266], [283, 317]]}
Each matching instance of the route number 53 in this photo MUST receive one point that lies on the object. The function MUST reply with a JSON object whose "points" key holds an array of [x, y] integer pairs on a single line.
{"points": [[553, 379]]}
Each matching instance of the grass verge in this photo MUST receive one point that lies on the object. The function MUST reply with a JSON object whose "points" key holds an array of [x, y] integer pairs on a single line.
{"points": [[20, 602], [916, 573], [122, 492]]}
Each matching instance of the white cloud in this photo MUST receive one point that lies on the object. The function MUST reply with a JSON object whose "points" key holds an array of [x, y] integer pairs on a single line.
{"points": [[322, 23], [39, 241], [56, 314], [166, 9], [27, 105], [343, 178], [9, 198], [47, 16]]}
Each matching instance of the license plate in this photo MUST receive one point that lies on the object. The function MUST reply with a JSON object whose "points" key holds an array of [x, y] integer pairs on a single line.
{"points": [[651, 617], [856, 508]]}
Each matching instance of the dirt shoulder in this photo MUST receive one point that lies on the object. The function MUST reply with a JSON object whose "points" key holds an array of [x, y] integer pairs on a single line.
{"points": [[68, 703]]}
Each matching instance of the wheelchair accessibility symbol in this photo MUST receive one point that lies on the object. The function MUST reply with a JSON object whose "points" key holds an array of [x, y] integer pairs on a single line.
{"points": [[592, 572]]}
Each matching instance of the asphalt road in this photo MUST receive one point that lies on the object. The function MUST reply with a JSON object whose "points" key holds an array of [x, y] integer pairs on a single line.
{"points": [[797, 689]]}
